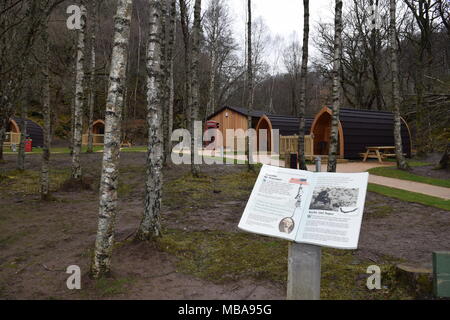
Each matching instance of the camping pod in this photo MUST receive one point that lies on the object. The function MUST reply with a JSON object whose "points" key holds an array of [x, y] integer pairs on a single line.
{"points": [[358, 129], [288, 130], [98, 134], [34, 131]]}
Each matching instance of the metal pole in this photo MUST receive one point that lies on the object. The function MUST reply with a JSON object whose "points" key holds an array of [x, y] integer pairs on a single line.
{"points": [[304, 265]]}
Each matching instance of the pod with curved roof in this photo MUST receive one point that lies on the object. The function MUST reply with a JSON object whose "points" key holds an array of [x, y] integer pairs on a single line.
{"points": [[34, 131], [358, 129]]}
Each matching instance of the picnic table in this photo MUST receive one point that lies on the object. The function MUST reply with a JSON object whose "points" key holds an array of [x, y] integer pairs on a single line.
{"points": [[379, 153]]}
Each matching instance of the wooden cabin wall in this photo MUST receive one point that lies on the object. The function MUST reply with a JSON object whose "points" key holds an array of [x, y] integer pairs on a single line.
{"points": [[234, 121]]}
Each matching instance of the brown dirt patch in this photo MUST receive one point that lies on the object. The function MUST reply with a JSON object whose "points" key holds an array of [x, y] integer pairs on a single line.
{"points": [[38, 240]]}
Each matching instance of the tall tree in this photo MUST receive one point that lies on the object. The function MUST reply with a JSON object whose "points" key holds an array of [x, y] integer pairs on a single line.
{"points": [[92, 85], [184, 19], [79, 96], [401, 161], [170, 81], [196, 35], [249, 85], [26, 98], [45, 166], [424, 16], [104, 243], [334, 136], [151, 225], [303, 82]]}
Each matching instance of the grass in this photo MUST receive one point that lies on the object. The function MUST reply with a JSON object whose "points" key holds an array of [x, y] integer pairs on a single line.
{"points": [[28, 182], [222, 257], [410, 196], [187, 193], [83, 150], [112, 287], [393, 172]]}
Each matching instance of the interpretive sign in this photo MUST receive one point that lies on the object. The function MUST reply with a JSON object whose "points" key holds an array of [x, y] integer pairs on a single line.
{"points": [[323, 209]]}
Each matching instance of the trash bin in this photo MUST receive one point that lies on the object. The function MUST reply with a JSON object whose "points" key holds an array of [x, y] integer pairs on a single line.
{"points": [[28, 145]]}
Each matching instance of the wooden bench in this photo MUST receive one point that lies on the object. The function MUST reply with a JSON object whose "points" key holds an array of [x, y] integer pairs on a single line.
{"points": [[380, 153]]}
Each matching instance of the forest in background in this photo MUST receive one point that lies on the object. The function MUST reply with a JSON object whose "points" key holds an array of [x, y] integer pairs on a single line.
{"points": [[424, 67]]}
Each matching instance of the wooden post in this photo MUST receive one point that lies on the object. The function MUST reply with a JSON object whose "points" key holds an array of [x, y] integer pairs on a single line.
{"points": [[304, 265]]}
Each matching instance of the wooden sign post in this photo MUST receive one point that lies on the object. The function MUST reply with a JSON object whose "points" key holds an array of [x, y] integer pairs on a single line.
{"points": [[304, 262]]}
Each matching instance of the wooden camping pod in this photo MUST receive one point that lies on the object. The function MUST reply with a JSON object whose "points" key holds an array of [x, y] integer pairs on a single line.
{"points": [[34, 131], [358, 129], [98, 132]]}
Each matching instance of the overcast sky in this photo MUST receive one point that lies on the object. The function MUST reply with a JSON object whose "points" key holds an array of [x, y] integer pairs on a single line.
{"points": [[282, 17]]}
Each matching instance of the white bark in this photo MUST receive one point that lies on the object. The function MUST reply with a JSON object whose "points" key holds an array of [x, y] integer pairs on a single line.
{"points": [[334, 137], [401, 161], [101, 264], [45, 166], [196, 33], [170, 84], [150, 225], [303, 82], [79, 98], [92, 85]]}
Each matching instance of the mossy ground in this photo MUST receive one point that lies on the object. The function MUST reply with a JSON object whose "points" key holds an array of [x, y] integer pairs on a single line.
{"points": [[27, 182], [204, 251], [222, 257]]}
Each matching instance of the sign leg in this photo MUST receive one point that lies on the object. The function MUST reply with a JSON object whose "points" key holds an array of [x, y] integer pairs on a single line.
{"points": [[304, 267]]}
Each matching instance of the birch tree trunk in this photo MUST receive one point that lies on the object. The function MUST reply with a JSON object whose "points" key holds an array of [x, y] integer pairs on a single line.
{"points": [[303, 82], [334, 136], [23, 131], [249, 83], [104, 243], [150, 226], [401, 161], [212, 82], [79, 97], [164, 75], [170, 67], [3, 124], [94, 29], [196, 33], [45, 166], [187, 60]]}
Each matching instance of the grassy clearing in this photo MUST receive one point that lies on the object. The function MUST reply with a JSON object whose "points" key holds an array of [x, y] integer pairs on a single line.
{"points": [[112, 287], [27, 182], [393, 172], [410, 196], [221, 257], [54, 150], [188, 193]]}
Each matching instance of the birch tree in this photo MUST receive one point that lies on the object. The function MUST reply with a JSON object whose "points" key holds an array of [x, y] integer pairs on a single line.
{"points": [[92, 85], [79, 97], [104, 243], [196, 34], [249, 82], [303, 82], [45, 166], [23, 126], [184, 18], [151, 225], [334, 136], [401, 161], [170, 81]]}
